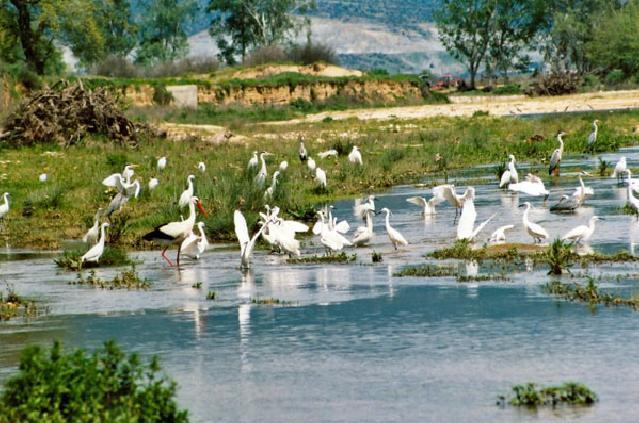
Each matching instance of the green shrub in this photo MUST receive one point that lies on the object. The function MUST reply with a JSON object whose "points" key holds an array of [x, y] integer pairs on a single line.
{"points": [[592, 81], [53, 386], [530, 395], [161, 95], [508, 89], [615, 77], [558, 256]]}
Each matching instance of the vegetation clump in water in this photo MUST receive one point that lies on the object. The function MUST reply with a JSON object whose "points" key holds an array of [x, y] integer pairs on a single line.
{"points": [[559, 257], [128, 279], [269, 301], [570, 393], [589, 294], [426, 270], [376, 257], [72, 260], [336, 258], [211, 295], [106, 385], [12, 305]]}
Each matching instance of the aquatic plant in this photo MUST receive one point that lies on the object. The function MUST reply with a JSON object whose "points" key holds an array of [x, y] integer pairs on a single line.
{"points": [[461, 249], [559, 256], [211, 295], [128, 279], [269, 301], [197, 285], [426, 270], [588, 293], [335, 258], [106, 385], [71, 260], [12, 305], [602, 169], [482, 278], [569, 393], [376, 257]]}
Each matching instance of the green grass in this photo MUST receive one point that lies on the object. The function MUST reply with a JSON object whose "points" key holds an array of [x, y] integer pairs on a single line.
{"points": [[13, 305], [570, 393], [269, 301], [335, 258], [112, 257], [427, 270], [128, 279]]}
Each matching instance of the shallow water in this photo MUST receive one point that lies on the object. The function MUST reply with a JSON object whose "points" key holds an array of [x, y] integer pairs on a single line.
{"points": [[356, 343]]}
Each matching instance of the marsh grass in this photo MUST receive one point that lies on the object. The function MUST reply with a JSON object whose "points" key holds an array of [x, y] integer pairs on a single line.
{"points": [[334, 258], [589, 293], [128, 279], [112, 257], [211, 295], [12, 305], [427, 270], [482, 278], [570, 393], [376, 257], [559, 257], [270, 301]]}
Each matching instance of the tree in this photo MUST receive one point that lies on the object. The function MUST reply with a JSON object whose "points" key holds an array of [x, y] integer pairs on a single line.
{"points": [[162, 34], [116, 23], [254, 23], [465, 30]]}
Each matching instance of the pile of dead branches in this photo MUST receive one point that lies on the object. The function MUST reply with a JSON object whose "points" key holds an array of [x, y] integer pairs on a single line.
{"points": [[66, 113], [556, 83]]}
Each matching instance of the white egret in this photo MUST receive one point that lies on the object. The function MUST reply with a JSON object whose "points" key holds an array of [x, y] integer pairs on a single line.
{"points": [[128, 173], [328, 153], [93, 233], [621, 168], [153, 183], [342, 227], [284, 237], [361, 208], [531, 185], [194, 245], [355, 156], [592, 138], [283, 165], [260, 178], [201, 167], [97, 250], [172, 232], [536, 231], [466, 226], [302, 151], [329, 236], [510, 176], [43, 177], [393, 234], [364, 234], [448, 193], [4, 207], [126, 191], [311, 164], [582, 191], [632, 201], [499, 236], [268, 194], [161, 163], [320, 177], [246, 242], [555, 158], [582, 233], [428, 206], [186, 195], [253, 161]]}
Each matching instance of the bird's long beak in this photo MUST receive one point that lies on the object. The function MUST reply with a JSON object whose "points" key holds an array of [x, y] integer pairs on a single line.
{"points": [[521, 205], [134, 166], [201, 208]]}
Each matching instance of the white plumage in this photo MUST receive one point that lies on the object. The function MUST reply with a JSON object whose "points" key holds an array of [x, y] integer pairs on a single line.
{"points": [[510, 176], [201, 167], [93, 233], [270, 191], [621, 168], [466, 226], [4, 207], [393, 234], [536, 231], [555, 158], [283, 165], [364, 234], [97, 250], [582, 232], [428, 206], [499, 235], [186, 195], [320, 177], [311, 164], [253, 161], [355, 156], [161, 163], [43, 177], [328, 153], [153, 183], [361, 208], [246, 242]]}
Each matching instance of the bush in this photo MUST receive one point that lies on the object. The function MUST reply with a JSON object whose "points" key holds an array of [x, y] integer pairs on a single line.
{"points": [[77, 386], [557, 83], [265, 54], [190, 65], [592, 81], [115, 66], [615, 77], [161, 95], [508, 89], [310, 53]]}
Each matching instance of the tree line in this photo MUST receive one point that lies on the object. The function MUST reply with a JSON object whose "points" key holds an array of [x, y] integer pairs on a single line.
{"points": [[33, 31], [587, 37]]}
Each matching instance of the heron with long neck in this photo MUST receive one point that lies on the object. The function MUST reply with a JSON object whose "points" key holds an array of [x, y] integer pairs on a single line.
{"points": [[555, 158]]}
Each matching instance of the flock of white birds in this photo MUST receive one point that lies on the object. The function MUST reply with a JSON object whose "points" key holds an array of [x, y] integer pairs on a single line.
{"points": [[281, 234]]}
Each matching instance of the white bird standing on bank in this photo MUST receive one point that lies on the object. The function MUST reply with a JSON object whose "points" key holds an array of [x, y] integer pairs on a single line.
{"points": [[330, 237], [260, 178], [161, 163], [355, 156], [328, 153], [43, 177], [592, 138], [582, 233], [302, 151], [311, 164], [364, 234], [555, 158], [466, 226], [153, 183], [253, 161], [361, 208], [246, 242], [320, 177], [510, 176], [393, 234], [270, 191], [4, 208], [428, 206], [201, 167], [283, 165], [97, 250], [186, 195], [536, 231], [91, 237], [621, 168], [499, 236]]}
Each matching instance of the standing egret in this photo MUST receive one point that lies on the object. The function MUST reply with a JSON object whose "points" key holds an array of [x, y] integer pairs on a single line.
{"points": [[320, 178], [42, 178], [260, 178], [330, 236], [466, 226], [582, 233], [153, 183], [536, 231], [328, 153], [186, 195], [582, 191], [161, 163], [555, 158], [510, 176], [632, 201], [361, 208], [93, 233], [448, 193], [620, 168], [201, 167], [302, 151], [128, 173], [268, 194], [428, 206], [283, 165], [355, 156], [253, 161], [246, 242], [364, 234], [499, 236], [97, 250], [194, 245], [592, 138], [284, 236], [311, 164], [125, 192], [4, 208], [172, 232], [393, 234]]}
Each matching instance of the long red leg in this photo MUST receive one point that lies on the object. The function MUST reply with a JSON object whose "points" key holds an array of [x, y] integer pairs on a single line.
{"points": [[165, 257]]}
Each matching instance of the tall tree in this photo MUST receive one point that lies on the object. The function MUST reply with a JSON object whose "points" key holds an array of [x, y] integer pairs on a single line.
{"points": [[254, 23], [117, 25], [465, 30], [163, 36]]}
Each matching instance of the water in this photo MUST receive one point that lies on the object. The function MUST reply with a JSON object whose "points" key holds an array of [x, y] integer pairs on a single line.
{"points": [[356, 343]]}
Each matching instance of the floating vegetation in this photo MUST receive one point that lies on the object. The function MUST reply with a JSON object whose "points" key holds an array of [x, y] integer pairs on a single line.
{"points": [[462, 249], [427, 270], [376, 257], [128, 279], [559, 257], [197, 285], [482, 278], [269, 301], [335, 258], [72, 260], [12, 305], [589, 294], [211, 295], [532, 395]]}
